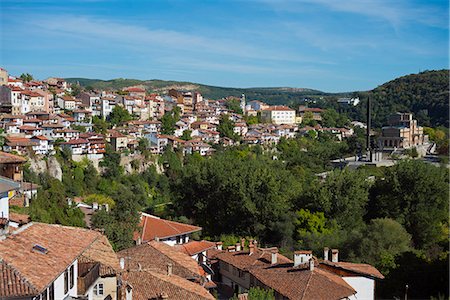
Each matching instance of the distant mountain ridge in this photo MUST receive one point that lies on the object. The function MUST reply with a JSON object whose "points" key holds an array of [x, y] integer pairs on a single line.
{"points": [[212, 92], [425, 94]]}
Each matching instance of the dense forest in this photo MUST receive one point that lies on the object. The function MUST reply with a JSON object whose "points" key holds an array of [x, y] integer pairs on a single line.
{"points": [[394, 218], [425, 94]]}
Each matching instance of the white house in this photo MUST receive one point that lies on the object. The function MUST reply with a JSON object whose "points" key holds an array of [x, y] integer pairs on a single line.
{"points": [[278, 115]]}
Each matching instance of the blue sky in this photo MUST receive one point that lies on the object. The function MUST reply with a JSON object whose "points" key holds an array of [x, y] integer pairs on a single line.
{"points": [[330, 45]]}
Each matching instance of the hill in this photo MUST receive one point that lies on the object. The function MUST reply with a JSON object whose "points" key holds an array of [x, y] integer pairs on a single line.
{"points": [[276, 95], [425, 95]]}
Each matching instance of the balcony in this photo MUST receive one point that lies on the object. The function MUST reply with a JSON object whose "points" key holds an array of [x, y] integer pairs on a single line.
{"points": [[88, 273]]}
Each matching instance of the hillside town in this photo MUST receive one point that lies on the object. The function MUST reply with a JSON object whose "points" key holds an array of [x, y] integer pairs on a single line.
{"points": [[38, 116]]}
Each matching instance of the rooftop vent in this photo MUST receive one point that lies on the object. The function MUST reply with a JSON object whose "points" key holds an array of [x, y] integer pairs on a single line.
{"points": [[40, 249]]}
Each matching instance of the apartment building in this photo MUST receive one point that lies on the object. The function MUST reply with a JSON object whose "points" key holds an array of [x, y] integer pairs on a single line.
{"points": [[278, 115]]}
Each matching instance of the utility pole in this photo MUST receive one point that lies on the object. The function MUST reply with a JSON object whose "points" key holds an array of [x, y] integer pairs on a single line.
{"points": [[369, 125]]}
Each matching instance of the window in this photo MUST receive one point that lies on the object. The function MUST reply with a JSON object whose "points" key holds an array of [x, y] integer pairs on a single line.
{"points": [[51, 292], [72, 276], [44, 295], [66, 281], [98, 289]]}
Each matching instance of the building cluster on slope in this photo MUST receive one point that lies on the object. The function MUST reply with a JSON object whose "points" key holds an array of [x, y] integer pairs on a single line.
{"points": [[38, 115]]}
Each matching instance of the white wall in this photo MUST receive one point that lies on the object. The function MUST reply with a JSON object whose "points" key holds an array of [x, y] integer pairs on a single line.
{"points": [[59, 284], [4, 207], [365, 287]]}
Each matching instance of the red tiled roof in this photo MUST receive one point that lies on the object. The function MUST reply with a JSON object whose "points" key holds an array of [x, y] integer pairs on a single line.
{"points": [[242, 260], [195, 247], [12, 284], [40, 137], [76, 142], [157, 255], [19, 218], [19, 141], [154, 227], [278, 107], [64, 245], [6, 158], [303, 284], [148, 284], [27, 127], [363, 269]]}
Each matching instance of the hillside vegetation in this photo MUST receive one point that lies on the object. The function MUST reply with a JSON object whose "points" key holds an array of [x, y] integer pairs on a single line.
{"points": [[425, 95]]}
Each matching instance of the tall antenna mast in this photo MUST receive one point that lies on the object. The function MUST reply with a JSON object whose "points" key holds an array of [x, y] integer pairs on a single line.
{"points": [[369, 125]]}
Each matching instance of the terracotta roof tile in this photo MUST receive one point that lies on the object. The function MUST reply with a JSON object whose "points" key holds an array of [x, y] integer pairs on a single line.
{"points": [[19, 218], [64, 245], [303, 284], [244, 261], [12, 284], [195, 247], [149, 284], [153, 227], [6, 158], [363, 269], [156, 255], [101, 251]]}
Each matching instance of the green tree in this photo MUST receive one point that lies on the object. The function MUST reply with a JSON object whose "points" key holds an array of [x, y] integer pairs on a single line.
{"points": [[254, 193], [119, 116], [234, 105], [26, 77], [343, 197], [226, 128], [257, 293], [50, 205], [100, 199], [382, 241], [111, 163], [169, 120], [99, 125], [416, 194], [331, 118], [76, 90], [186, 135]]}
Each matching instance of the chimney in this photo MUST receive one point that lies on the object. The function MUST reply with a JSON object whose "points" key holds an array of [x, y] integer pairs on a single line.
{"points": [[311, 264], [274, 257], [139, 267], [238, 247], [334, 255], [163, 296], [169, 269], [219, 246], [122, 263], [326, 250], [231, 248], [251, 249], [256, 244], [302, 257], [129, 292], [242, 243]]}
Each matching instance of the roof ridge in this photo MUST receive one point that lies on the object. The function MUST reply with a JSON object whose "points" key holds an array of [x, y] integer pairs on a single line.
{"points": [[307, 284], [165, 221]]}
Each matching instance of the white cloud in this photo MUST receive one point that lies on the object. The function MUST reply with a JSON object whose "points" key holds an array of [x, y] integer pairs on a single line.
{"points": [[396, 12]]}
